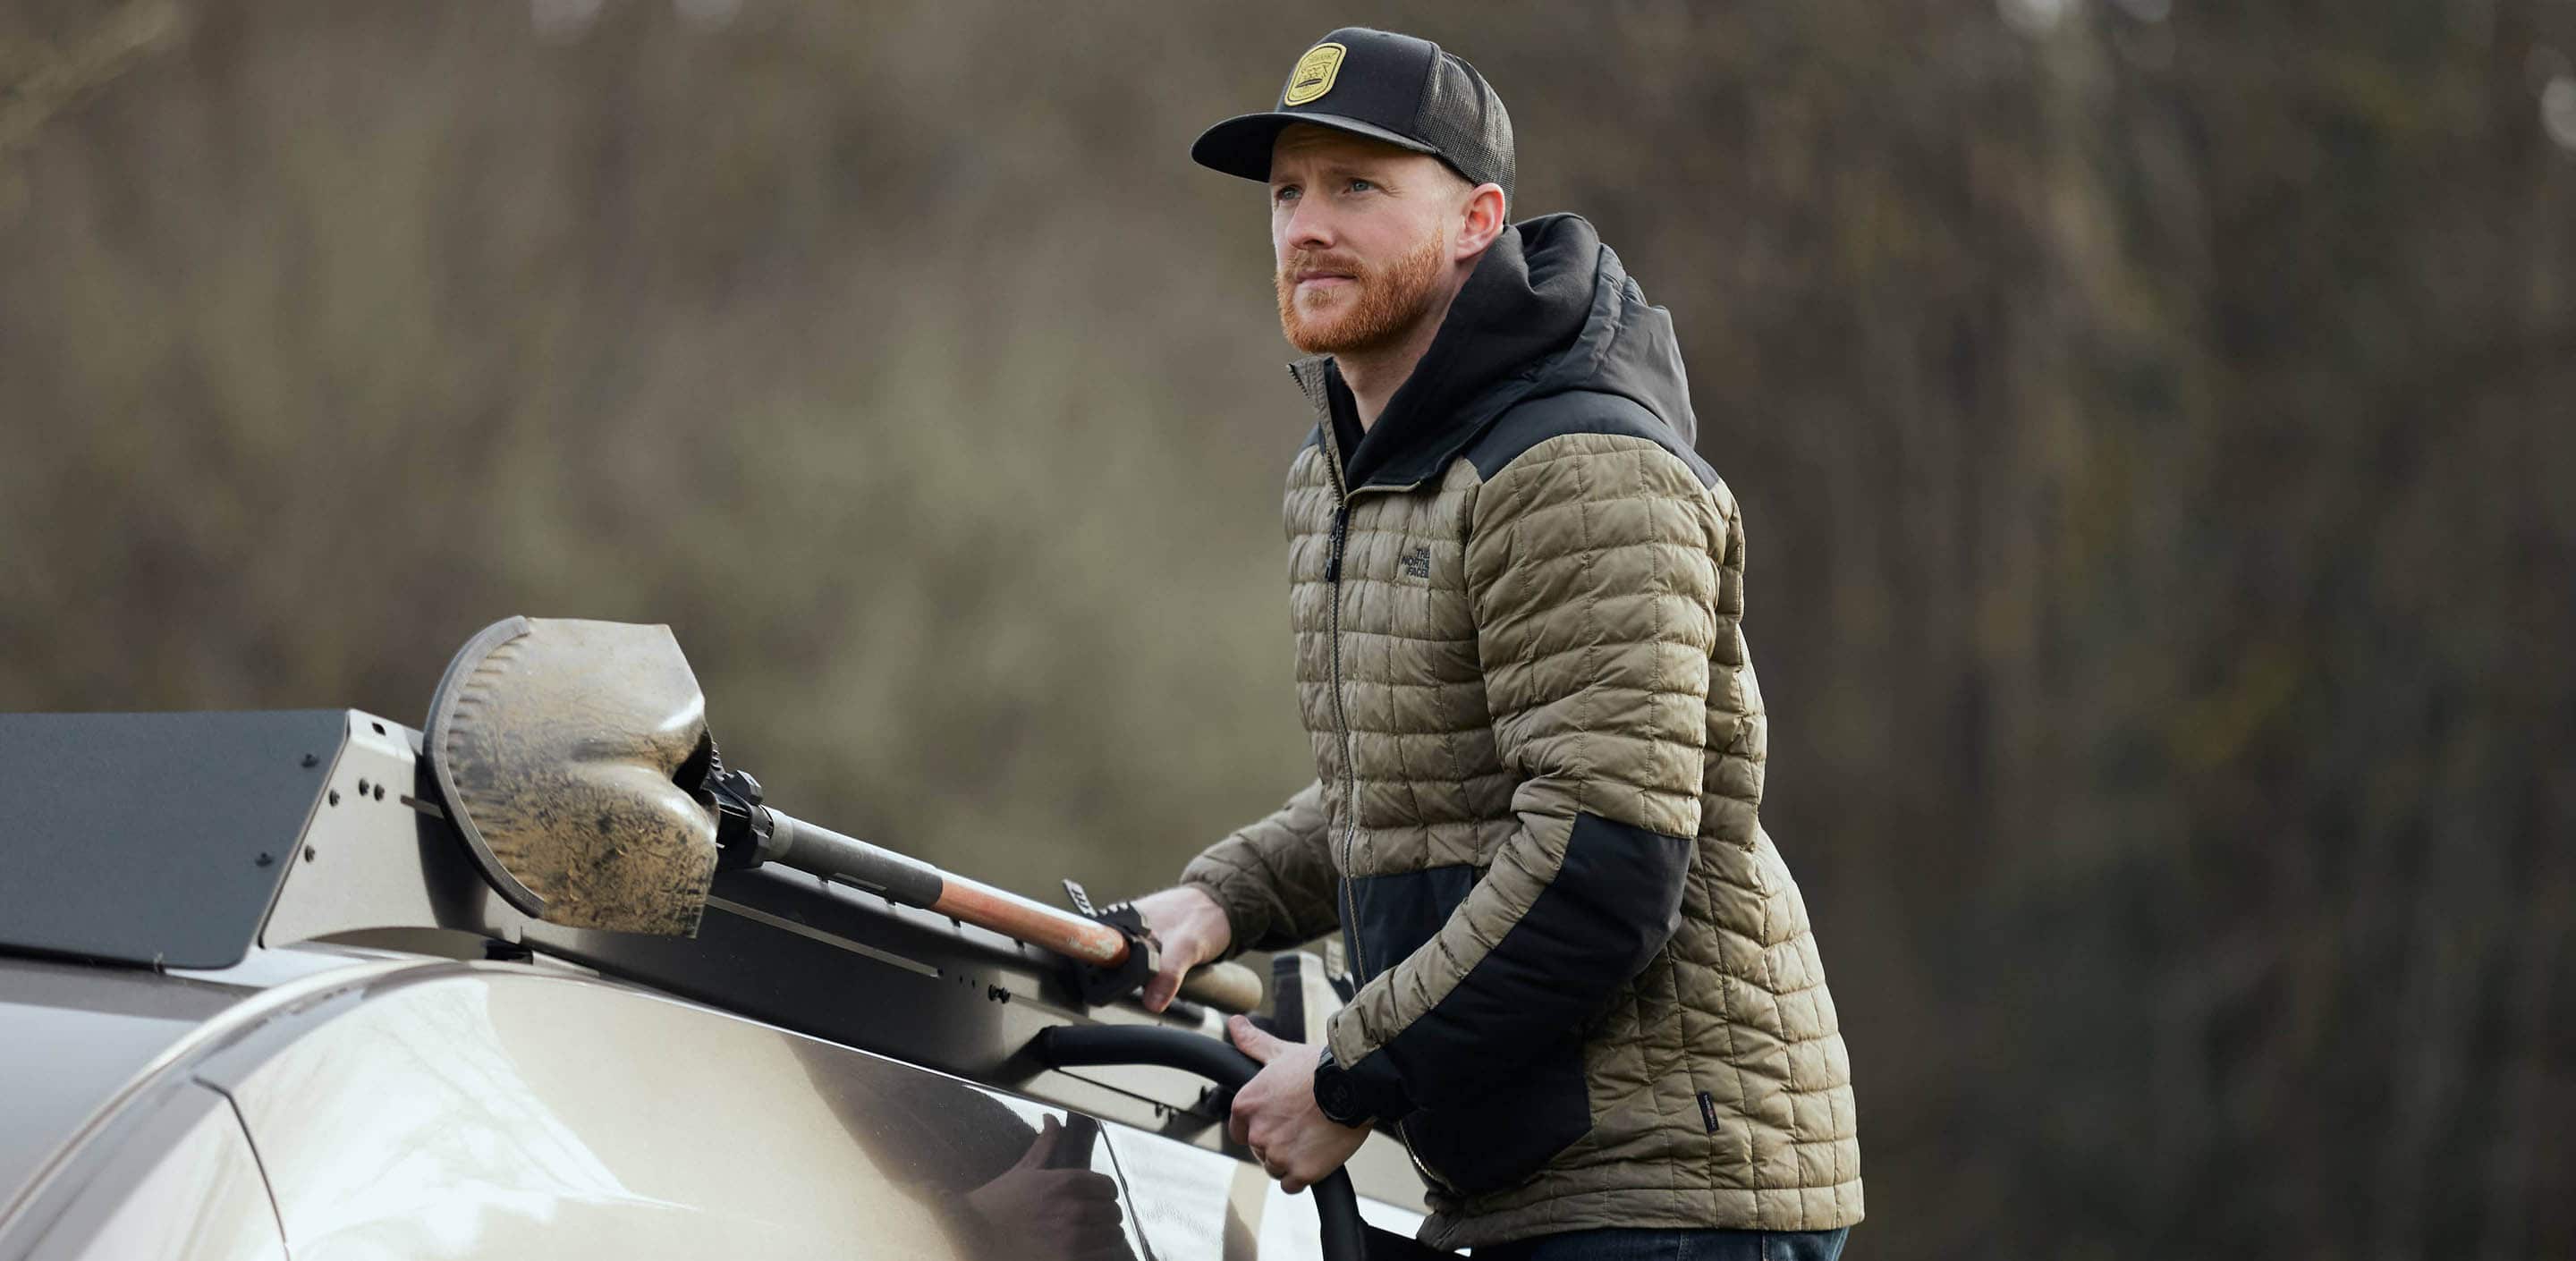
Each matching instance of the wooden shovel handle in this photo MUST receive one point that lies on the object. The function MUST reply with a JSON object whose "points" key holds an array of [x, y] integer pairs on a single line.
{"points": [[809, 847], [1227, 987]]}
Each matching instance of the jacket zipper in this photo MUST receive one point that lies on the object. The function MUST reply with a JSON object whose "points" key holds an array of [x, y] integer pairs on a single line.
{"points": [[1350, 752], [1351, 777], [1341, 716], [1421, 1166], [1342, 496]]}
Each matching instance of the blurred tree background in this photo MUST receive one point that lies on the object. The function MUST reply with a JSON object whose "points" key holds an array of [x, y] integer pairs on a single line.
{"points": [[2156, 425]]}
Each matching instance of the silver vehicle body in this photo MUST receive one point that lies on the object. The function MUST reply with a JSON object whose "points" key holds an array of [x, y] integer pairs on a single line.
{"points": [[819, 1074]]}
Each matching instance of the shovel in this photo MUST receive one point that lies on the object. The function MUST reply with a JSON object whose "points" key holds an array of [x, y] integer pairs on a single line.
{"points": [[575, 758]]}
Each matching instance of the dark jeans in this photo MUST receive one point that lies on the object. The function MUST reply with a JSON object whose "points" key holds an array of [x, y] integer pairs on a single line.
{"points": [[1673, 1245]]}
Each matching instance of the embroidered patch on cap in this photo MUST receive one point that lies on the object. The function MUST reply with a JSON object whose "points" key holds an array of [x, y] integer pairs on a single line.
{"points": [[1313, 76]]}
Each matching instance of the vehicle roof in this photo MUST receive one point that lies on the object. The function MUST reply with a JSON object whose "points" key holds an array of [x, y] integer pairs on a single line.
{"points": [[81, 1032], [78, 1033]]}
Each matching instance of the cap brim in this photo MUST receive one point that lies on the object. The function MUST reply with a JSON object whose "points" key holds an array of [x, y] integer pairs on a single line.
{"points": [[1241, 146]]}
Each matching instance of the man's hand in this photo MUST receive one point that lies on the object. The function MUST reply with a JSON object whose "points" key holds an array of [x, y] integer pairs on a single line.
{"points": [[1275, 1113], [1190, 928], [1036, 1213]]}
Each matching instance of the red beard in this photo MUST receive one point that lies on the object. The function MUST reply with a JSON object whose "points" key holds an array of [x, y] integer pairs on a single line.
{"points": [[1390, 300]]}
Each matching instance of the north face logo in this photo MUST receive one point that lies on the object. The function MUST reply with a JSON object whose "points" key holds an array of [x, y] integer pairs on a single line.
{"points": [[1417, 563]]}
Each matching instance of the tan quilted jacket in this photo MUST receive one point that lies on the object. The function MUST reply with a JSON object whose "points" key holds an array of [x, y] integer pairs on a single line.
{"points": [[1589, 992]]}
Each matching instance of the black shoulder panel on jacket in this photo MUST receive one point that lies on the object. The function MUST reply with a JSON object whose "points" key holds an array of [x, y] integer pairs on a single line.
{"points": [[1579, 411]]}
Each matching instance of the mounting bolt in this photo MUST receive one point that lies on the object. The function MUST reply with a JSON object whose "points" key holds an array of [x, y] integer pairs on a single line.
{"points": [[311, 759], [308, 853], [265, 858], [335, 796]]}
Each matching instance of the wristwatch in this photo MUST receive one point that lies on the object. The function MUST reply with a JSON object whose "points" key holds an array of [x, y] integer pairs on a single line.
{"points": [[1335, 1096]]}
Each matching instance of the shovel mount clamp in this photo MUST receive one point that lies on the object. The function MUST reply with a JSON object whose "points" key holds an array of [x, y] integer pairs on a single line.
{"points": [[743, 828], [1096, 984]]}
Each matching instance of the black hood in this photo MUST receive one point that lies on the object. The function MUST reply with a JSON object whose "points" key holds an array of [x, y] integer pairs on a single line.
{"points": [[1548, 310]]}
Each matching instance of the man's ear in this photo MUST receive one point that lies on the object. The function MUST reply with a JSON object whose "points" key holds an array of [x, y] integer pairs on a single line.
{"points": [[1481, 220]]}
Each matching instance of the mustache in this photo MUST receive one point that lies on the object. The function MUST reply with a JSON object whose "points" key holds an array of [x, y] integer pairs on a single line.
{"points": [[1301, 262]]}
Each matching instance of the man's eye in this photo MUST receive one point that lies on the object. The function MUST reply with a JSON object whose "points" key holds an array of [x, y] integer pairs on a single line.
{"points": [[1361, 186], [1283, 192]]}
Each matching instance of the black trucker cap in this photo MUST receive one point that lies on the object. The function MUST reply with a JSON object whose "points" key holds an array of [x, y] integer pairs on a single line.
{"points": [[1385, 86]]}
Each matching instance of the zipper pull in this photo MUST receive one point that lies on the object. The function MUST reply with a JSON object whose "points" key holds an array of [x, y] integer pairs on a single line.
{"points": [[1341, 529]]}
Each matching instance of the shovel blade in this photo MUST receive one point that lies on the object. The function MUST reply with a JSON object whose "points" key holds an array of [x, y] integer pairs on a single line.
{"points": [[561, 748]]}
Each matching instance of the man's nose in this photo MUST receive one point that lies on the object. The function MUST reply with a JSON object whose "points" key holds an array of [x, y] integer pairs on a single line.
{"points": [[1309, 227]]}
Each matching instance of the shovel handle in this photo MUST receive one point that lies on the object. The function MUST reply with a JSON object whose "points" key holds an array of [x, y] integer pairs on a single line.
{"points": [[900, 878], [1032, 921], [1228, 987]]}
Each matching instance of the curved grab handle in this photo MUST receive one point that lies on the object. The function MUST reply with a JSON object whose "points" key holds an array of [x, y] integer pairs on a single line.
{"points": [[1345, 1237]]}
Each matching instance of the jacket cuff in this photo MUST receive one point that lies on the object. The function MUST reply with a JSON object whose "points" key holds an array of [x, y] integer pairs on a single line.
{"points": [[1244, 920], [1377, 1086]]}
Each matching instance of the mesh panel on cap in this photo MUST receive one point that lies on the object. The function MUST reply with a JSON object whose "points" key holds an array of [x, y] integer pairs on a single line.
{"points": [[1464, 120]]}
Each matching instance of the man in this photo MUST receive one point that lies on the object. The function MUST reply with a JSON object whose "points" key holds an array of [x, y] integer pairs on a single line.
{"points": [[1589, 1001]]}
